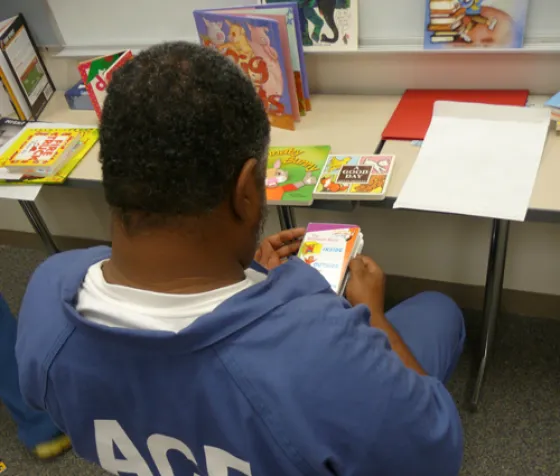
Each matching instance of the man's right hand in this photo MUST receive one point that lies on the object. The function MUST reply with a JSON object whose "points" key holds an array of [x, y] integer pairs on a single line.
{"points": [[366, 284]]}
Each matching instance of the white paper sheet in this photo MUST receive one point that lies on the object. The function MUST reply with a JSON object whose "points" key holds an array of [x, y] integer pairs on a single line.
{"points": [[477, 159]]}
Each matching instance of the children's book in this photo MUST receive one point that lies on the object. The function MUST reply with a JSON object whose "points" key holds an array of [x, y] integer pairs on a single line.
{"points": [[43, 153], [329, 248], [260, 46], [475, 23], [554, 102], [96, 74], [331, 24], [355, 177], [293, 172], [23, 73], [286, 14]]}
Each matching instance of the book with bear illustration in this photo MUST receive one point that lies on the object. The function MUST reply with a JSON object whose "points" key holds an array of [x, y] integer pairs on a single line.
{"points": [[355, 177], [264, 44], [329, 248], [293, 172]]}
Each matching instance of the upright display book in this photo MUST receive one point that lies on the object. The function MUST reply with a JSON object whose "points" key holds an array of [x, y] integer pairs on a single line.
{"points": [[96, 74], [327, 25], [329, 248], [355, 177], [9, 129], [475, 23], [43, 153], [260, 45], [22, 71], [293, 172]]}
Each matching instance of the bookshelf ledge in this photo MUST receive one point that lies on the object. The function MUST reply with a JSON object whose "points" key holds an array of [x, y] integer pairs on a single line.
{"points": [[367, 45]]}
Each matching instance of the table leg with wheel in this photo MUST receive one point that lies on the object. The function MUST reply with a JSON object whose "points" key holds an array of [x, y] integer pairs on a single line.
{"points": [[286, 218], [492, 299], [36, 220]]}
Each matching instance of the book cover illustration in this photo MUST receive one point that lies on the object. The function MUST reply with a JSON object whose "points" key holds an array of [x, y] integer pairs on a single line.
{"points": [[353, 177], [84, 138], [292, 173], [9, 129], [40, 153], [329, 249], [93, 74], [475, 23], [255, 45], [327, 24]]}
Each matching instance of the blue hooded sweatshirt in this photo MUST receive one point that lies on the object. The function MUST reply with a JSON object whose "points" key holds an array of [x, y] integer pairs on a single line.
{"points": [[285, 378]]}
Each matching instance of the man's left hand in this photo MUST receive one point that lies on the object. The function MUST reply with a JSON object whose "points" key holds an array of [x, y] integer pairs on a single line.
{"points": [[275, 249]]}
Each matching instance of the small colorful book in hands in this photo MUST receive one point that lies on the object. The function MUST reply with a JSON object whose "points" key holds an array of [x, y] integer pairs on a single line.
{"points": [[329, 248]]}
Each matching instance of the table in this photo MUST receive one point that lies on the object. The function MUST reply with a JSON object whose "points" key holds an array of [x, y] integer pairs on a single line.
{"points": [[544, 206], [350, 124]]}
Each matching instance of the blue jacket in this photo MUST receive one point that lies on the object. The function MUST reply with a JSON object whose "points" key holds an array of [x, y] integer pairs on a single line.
{"points": [[284, 378]]}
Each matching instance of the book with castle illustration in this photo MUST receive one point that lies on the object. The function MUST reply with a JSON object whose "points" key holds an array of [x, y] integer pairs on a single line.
{"points": [[331, 24], [293, 172], [329, 248], [260, 44], [355, 177], [475, 23]]}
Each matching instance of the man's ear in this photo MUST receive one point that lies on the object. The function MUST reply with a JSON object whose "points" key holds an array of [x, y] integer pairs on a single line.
{"points": [[247, 194]]}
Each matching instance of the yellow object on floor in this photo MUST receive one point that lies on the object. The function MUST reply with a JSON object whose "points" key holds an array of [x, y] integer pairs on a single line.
{"points": [[53, 448], [2, 466]]}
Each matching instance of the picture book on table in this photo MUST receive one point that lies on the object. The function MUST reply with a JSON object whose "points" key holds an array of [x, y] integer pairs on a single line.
{"points": [[325, 24], [287, 14], [475, 23], [41, 153], [260, 46], [355, 177], [293, 172], [329, 248], [97, 73]]}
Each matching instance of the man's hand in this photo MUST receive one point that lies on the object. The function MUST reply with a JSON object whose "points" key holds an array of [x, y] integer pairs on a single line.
{"points": [[366, 284], [277, 248]]}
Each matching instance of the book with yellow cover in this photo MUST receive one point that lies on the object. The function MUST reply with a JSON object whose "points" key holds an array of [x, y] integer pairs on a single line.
{"points": [[46, 155]]}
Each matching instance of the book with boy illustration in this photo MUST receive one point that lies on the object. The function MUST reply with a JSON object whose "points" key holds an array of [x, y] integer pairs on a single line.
{"points": [[327, 25], [475, 23], [354, 177], [264, 43], [293, 172], [96, 74], [42, 153], [329, 248]]}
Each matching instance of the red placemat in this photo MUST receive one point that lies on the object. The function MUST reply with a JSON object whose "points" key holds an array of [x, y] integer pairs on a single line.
{"points": [[412, 117]]}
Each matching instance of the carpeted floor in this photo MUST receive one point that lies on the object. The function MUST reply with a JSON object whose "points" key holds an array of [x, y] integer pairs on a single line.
{"points": [[515, 432]]}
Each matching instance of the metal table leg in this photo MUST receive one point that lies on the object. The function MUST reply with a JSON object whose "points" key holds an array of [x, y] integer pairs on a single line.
{"points": [[286, 218], [492, 299], [34, 217]]}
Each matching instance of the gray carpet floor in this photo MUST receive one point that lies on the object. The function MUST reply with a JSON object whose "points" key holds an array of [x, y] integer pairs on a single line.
{"points": [[516, 430]]}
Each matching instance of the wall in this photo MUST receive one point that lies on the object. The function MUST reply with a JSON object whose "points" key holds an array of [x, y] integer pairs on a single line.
{"points": [[422, 245]]}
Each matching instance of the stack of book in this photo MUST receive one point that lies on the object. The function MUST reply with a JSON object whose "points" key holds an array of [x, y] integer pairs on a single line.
{"points": [[554, 104], [23, 74], [41, 153], [446, 20], [265, 42], [96, 74], [329, 248]]}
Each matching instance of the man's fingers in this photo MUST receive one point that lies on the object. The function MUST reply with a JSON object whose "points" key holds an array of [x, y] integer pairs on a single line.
{"points": [[288, 250], [357, 265], [286, 236]]}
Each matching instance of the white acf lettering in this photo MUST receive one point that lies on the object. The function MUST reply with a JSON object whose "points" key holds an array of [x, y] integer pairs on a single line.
{"points": [[110, 434]]}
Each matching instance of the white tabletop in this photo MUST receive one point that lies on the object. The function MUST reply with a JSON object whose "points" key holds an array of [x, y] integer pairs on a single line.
{"points": [[349, 124]]}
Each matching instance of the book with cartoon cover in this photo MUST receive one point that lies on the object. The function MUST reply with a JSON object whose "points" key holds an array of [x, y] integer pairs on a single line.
{"points": [[287, 14], [293, 172], [475, 23], [329, 248], [261, 48], [327, 25], [355, 177]]}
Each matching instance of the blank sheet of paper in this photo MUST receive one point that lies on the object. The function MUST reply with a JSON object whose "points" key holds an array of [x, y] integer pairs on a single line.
{"points": [[477, 159]]}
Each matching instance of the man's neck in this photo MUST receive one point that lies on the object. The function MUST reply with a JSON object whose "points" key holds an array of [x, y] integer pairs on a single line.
{"points": [[167, 261]]}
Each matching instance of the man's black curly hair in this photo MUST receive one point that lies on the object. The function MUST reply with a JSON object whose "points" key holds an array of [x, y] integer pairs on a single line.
{"points": [[179, 122]]}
